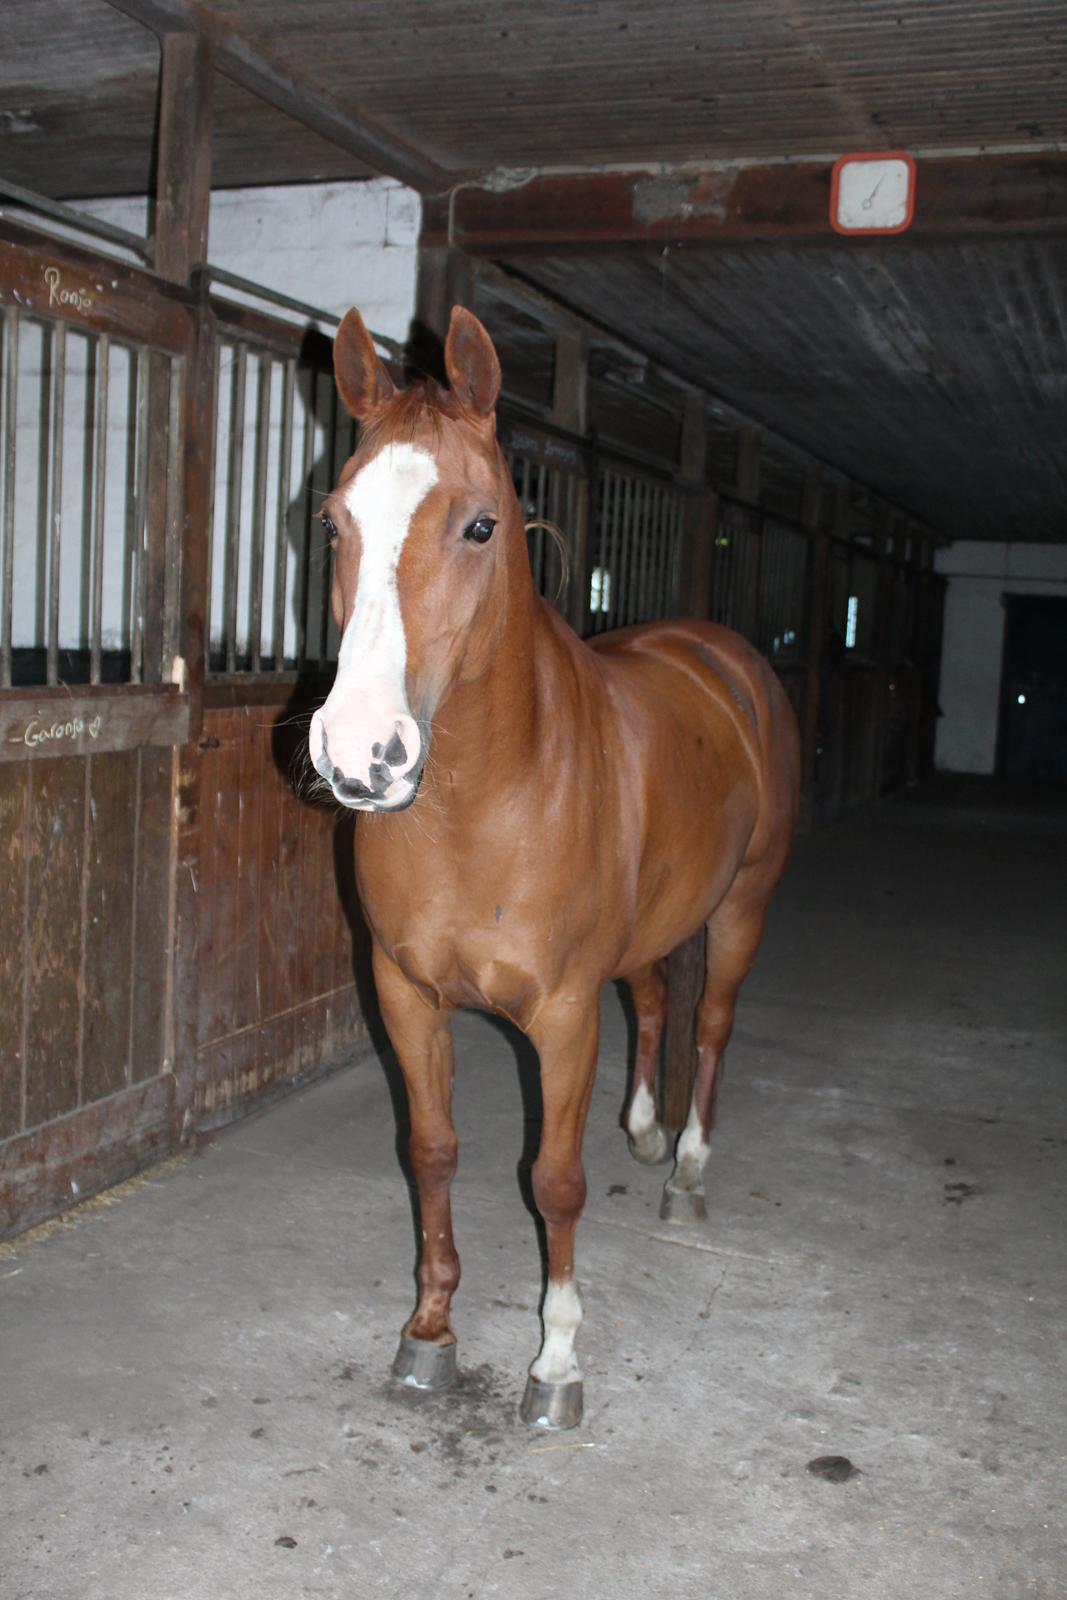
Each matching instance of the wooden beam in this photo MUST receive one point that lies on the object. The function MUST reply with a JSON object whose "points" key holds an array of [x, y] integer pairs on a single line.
{"points": [[729, 204], [263, 75]]}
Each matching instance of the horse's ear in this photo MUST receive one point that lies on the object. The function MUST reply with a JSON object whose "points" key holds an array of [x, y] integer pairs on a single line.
{"points": [[471, 363], [362, 381]]}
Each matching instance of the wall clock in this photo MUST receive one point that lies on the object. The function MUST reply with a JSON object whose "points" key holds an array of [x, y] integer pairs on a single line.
{"points": [[872, 192]]}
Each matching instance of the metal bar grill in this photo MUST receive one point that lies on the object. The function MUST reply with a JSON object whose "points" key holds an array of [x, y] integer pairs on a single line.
{"points": [[304, 570], [259, 512], [285, 486], [327, 556], [172, 567], [100, 416], [75, 459], [637, 541], [55, 509], [139, 518], [236, 490], [11, 354]]}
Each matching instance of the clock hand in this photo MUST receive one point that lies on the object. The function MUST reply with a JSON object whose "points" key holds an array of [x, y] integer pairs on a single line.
{"points": [[869, 202]]}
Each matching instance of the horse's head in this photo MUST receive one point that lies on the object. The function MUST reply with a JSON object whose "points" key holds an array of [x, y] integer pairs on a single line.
{"points": [[419, 573]]}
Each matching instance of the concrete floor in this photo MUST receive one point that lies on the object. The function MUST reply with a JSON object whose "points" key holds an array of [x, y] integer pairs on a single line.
{"points": [[195, 1403]]}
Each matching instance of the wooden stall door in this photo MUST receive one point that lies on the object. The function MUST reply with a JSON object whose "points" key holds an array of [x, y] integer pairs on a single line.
{"points": [[92, 400], [87, 1090]]}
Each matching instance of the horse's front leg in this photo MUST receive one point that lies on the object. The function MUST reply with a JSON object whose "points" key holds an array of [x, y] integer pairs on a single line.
{"points": [[567, 1037], [422, 1039]]}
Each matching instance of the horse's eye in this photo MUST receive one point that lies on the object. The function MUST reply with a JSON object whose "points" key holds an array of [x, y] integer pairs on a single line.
{"points": [[328, 528], [480, 530]]}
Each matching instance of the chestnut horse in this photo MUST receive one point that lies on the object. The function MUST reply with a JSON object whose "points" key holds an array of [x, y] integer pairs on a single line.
{"points": [[582, 809]]}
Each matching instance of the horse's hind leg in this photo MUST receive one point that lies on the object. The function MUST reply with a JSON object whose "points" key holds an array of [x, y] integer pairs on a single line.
{"points": [[734, 931], [647, 1137]]}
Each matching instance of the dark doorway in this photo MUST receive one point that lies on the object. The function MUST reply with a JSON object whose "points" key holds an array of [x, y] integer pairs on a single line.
{"points": [[1033, 688]]}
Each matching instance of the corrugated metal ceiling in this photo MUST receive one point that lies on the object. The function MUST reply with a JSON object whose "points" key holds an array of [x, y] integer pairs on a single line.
{"points": [[935, 373], [579, 82], [566, 82]]}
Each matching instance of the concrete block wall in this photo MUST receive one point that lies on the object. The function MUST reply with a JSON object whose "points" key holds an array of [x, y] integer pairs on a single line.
{"points": [[332, 244], [979, 574]]}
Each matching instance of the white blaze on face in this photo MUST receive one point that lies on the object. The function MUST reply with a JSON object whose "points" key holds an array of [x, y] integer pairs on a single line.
{"points": [[368, 701], [562, 1317]]}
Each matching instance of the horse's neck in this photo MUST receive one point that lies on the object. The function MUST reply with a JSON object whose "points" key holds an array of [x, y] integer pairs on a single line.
{"points": [[486, 731]]}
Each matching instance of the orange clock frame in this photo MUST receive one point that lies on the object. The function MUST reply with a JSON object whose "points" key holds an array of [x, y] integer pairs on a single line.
{"points": [[854, 157]]}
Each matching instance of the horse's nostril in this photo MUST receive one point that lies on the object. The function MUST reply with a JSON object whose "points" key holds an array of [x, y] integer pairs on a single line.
{"points": [[395, 751], [351, 788]]}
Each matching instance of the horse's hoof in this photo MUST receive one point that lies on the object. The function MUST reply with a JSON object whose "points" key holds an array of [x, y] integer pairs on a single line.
{"points": [[552, 1405], [650, 1147], [422, 1365], [683, 1207]]}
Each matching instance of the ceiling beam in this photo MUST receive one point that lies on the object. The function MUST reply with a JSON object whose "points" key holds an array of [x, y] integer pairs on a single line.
{"points": [[730, 204], [246, 63]]}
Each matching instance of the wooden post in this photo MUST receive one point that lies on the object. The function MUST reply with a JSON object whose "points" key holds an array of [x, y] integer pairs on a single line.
{"points": [[578, 597], [183, 200], [811, 510], [883, 545], [698, 550], [748, 463], [569, 382], [748, 489], [913, 663], [180, 479], [445, 279], [698, 533], [569, 411], [693, 454], [198, 417], [183, 163]]}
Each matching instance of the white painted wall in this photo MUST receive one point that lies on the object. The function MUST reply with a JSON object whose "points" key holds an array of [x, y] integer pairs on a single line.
{"points": [[333, 245], [979, 574]]}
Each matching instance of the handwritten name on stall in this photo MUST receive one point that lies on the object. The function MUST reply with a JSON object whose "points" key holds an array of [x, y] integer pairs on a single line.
{"points": [[59, 295], [40, 731]]}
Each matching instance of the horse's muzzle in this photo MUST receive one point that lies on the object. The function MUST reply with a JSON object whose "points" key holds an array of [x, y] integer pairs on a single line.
{"points": [[391, 779]]}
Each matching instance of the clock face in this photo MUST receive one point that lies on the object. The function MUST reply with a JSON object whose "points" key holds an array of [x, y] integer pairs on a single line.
{"points": [[873, 193]]}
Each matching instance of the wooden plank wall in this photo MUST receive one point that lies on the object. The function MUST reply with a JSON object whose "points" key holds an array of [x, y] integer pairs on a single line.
{"points": [[281, 956], [91, 1088], [85, 883]]}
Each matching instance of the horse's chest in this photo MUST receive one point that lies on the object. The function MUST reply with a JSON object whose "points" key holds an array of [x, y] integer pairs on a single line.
{"points": [[463, 943]]}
